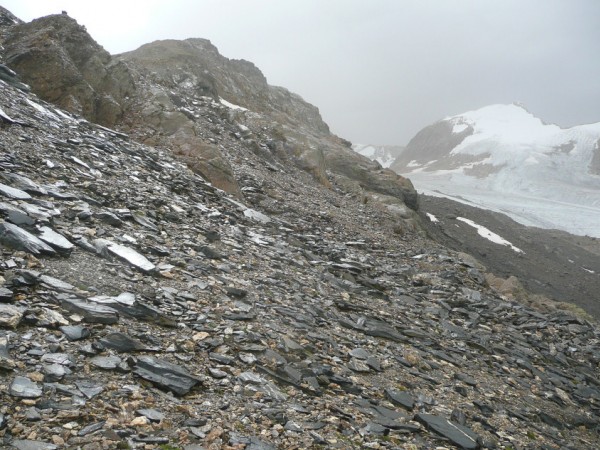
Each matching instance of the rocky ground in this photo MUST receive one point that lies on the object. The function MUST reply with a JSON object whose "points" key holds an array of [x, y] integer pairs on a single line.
{"points": [[141, 307], [553, 264]]}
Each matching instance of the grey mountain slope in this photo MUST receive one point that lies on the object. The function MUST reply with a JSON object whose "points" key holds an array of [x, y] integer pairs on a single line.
{"points": [[288, 319]]}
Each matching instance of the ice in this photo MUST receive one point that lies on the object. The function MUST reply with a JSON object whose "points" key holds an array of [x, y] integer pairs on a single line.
{"points": [[489, 235]]}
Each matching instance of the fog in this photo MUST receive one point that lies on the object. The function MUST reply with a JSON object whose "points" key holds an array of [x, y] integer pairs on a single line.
{"points": [[381, 70]]}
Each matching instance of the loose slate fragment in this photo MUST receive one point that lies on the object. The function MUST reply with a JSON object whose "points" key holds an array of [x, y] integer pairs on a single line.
{"points": [[13, 193], [91, 428], [25, 184], [27, 444], [145, 222], [10, 316], [14, 237], [25, 388], [458, 434], [152, 414], [56, 240], [91, 312], [106, 362], [75, 332], [88, 388], [5, 294], [56, 284], [165, 375], [131, 256], [122, 343], [400, 398]]}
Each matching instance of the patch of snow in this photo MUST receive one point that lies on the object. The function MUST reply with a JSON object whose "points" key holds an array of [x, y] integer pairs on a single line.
{"points": [[231, 105], [459, 127], [489, 235], [432, 218], [256, 215], [43, 110]]}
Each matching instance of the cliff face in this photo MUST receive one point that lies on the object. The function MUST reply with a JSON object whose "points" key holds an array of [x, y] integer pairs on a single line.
{"points": [[64, 65], [186, 96]]}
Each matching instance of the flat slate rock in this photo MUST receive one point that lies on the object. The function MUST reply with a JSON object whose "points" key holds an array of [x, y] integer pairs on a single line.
{"points": [[459, 435], [106, 362], [27, 444], [55, 240], [165, 375], [127, 254], [13, 193], [400, 398], [23, 387], [14, 237], [91, 312], [75, 332], [122, 343]]}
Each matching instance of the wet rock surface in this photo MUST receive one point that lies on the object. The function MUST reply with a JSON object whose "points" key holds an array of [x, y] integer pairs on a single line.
{"points": [[296, 317]]}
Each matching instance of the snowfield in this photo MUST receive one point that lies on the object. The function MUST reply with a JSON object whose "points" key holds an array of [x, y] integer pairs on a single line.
{"points": [[512, 162]]}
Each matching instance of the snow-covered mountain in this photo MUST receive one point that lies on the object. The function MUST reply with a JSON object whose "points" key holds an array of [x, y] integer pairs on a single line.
{"points": [[503, 158], [383, 154]]}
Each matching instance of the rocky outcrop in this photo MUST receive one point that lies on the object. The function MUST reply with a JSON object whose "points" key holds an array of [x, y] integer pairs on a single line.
{"points": [[432, 144], [64, 65], [165, 87]]}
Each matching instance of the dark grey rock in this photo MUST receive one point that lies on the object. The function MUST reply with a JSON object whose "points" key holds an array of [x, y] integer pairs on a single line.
{"points": [[152, 414], [89, 388], [106, 362], [165, 375], [25, 388], [55, 240], [5, 294], [20, 218], [400, 398], [249, 442], [26, 444], [91, 428], [91, 312], [122, 343], [13, 193], [75, 332], [457, 434], [14, 237]]}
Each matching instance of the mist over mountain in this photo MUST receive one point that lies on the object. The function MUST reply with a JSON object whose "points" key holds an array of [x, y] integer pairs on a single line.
{"points": [[191, 259], [503, 158]]}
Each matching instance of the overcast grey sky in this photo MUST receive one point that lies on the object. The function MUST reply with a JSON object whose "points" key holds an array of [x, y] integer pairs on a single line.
{"points": [[380, 70]]}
